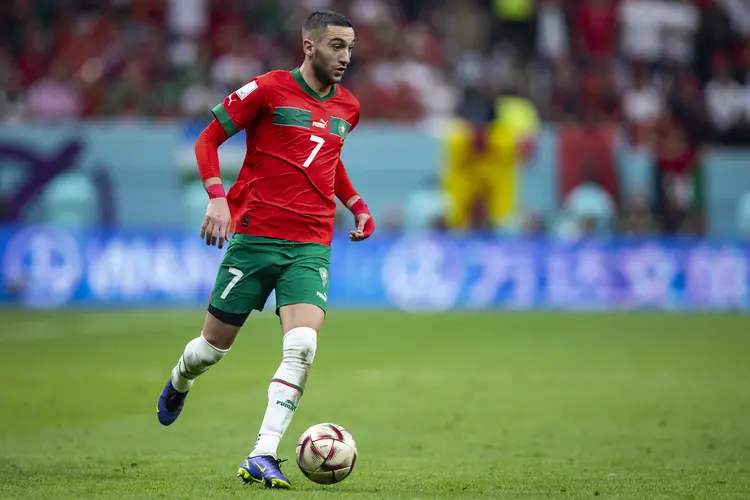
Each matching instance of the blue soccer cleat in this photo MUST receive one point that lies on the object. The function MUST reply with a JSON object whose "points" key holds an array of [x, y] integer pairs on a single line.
{"points": [[265, 471], [170, 404]]}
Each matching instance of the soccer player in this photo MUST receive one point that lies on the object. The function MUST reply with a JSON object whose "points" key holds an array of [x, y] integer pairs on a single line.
{"points": [[281, 210]]}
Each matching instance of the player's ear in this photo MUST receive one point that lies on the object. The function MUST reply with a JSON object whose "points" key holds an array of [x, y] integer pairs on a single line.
{"points": [[307, 46]]}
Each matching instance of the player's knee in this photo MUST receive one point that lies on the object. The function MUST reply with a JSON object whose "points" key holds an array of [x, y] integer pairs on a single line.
{"points": [[200, 355], [219, 333], [300, 345]]}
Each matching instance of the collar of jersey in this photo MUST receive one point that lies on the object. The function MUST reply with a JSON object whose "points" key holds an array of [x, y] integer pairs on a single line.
{"points": [[297, 74]]}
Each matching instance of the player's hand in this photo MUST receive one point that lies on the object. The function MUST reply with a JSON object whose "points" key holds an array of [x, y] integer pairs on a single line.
{"points": [[216, 223], [363, 220]]}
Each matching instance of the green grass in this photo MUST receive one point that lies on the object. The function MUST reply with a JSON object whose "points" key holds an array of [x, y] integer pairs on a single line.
{"points": [[448, 406]]}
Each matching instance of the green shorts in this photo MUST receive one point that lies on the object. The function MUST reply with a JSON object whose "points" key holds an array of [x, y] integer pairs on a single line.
{"points": [[254, 266]]}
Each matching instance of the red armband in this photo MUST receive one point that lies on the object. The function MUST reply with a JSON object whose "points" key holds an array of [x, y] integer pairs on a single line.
{"points": [[359, 207], [216, 191]]}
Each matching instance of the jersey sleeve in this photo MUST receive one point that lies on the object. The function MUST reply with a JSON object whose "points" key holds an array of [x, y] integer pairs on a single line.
{"points": [[242, 106], [343, 187], [355, 121]]}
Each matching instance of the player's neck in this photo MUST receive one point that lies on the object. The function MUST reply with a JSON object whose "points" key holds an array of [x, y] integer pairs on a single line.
{"points": [[309, 76]]}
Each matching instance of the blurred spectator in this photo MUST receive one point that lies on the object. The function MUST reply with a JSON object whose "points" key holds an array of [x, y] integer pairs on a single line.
{"points": [[739, 15], [685, 104], [515, 26], [724, 98], [563, 102], [552, 31], [132, 94], [11, 91], [187, 22], [54, 96], [596, 28], [642, 104], [201, 92], [230, 69], [656, 32], [678, 181]]}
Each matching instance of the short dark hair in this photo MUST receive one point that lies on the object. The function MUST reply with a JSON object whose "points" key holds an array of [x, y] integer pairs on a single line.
{"points": [[322, 19]]}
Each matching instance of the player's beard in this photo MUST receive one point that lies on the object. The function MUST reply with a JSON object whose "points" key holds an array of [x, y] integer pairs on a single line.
{"points": [[322, 71]]}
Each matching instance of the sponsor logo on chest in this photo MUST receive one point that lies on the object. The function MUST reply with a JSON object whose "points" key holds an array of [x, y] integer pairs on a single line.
{"points": [[321, 123], [305, 118]]}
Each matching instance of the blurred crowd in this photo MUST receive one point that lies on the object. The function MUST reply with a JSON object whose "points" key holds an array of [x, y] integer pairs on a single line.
{"points": [[62, 59], [631, 61], [674, 74]]}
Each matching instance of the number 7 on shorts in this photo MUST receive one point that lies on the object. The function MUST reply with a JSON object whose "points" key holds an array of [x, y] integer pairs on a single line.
{"points": [[237, 276]]}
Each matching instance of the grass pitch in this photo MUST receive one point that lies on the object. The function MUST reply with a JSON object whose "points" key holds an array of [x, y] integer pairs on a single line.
{"points": [[445, 406]]}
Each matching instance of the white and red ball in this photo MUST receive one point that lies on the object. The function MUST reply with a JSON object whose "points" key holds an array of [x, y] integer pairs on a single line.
{"points": [[326, 453]]}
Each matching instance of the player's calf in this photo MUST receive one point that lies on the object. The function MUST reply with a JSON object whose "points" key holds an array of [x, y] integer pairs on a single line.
{"points": [[286, 388], [199, 355]]}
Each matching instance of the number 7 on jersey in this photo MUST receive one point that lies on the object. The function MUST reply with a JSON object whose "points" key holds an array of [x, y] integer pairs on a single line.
{"points": [[320, 141]]}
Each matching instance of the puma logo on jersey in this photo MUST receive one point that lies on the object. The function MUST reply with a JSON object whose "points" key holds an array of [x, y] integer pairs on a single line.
{"points": [[320, 124], [242, 92]]}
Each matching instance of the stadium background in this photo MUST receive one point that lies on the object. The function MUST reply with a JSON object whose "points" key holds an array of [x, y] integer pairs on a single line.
{"points": [[559, 153], [579, 163]]}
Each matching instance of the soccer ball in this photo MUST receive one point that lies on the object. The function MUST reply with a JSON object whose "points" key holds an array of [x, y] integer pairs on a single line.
{"points": [[326, 453]]}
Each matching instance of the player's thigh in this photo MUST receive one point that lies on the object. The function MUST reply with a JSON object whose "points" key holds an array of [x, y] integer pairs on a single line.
{"points": [[302, 289], [243, 283]]}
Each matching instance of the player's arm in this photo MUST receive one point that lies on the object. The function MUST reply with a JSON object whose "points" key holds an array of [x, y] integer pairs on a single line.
{"points": [[231, 116], [218, 217], [345, 192], [207, 156]]}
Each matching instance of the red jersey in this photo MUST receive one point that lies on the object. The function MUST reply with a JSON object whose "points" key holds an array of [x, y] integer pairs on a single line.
{"points": [[285, 188]]}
